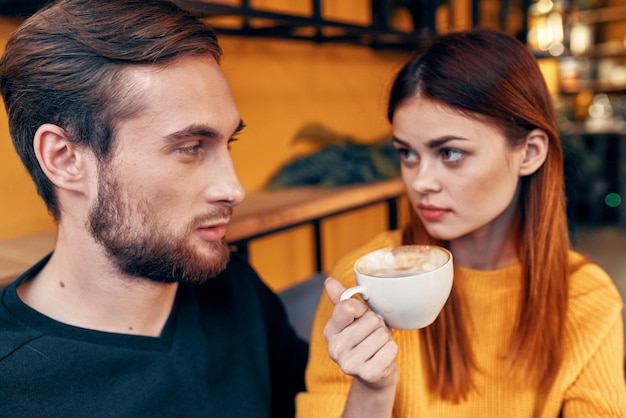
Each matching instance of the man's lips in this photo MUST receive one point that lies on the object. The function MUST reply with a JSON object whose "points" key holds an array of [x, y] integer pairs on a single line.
{"points": [[213, 232], [432, 213]]}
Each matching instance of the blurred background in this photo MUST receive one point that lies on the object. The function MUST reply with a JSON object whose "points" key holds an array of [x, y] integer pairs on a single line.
{"points": [[328, 64]]}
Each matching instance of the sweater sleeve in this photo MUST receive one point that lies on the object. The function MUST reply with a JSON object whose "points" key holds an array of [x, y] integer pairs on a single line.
{"points": [[596, 331], [599, 389], [327, 386]]}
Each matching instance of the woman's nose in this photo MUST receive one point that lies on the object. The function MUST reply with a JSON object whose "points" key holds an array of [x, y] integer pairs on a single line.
{"points": [[425, 180]]}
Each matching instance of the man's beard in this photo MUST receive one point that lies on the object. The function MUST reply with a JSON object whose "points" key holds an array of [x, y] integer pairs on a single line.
{"points": [[140, 246]]}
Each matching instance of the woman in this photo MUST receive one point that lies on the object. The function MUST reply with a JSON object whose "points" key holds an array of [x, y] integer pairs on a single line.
{"points": [[531, 329]]}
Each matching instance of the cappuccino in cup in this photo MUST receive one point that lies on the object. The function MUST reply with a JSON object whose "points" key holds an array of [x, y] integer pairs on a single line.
{"points": [[403, 261], [407, 285]]}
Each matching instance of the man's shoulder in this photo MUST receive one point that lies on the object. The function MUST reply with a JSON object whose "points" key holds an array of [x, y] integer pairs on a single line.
{"points": [[14, 330], [14, 334]]}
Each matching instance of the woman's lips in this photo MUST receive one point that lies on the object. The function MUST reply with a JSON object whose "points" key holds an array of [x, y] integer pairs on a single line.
{"points": [[432, 213]]}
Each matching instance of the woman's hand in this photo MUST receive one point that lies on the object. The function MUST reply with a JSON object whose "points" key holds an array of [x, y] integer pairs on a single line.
{"points": [[360, 342]]}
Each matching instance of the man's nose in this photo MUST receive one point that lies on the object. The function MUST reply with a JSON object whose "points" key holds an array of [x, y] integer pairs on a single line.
{"points": [[225, 185]]}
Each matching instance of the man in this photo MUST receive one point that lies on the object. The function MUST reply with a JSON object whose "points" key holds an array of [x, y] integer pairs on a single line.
{"points": [[123, 117]]}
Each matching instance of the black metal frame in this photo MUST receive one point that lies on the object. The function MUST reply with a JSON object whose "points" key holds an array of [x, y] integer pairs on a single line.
{"points": [[378, 34]]}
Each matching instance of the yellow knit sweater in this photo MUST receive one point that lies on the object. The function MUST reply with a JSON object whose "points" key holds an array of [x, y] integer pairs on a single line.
{"points": [[589, 384]]}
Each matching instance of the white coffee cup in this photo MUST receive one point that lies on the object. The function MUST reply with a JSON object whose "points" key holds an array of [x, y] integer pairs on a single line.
{"points": [[407, 285]]}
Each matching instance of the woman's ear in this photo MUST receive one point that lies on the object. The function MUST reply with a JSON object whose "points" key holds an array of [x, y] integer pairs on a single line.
{"points": [[535, 152], [61, 160]]}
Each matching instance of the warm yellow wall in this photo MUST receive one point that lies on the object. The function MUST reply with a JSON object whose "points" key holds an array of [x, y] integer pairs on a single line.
{"points": [[21, 209], [282, 85]]}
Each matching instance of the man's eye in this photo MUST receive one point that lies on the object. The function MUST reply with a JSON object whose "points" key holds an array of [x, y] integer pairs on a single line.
{"points": [[451, 155], [191, 149]]}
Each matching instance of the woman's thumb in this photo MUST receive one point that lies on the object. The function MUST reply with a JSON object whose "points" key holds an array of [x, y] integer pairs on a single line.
{"points": [[334, 289]]}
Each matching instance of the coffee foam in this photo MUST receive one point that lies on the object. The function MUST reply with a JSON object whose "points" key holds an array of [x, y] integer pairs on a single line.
{"points": [[406, 260]]}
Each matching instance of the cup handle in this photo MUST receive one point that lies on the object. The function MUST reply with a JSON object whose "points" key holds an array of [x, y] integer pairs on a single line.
{"points": [[361, 290]]}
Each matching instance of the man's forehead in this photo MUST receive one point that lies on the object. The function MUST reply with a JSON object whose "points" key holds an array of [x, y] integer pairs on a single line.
{"points": [[185, 92]]}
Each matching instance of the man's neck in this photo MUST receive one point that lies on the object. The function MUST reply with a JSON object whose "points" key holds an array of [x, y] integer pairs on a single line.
{"points": [[79, 286]]}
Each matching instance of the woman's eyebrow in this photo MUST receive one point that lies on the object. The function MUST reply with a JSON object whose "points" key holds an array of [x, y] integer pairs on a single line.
{"points": [[433, 143], [399, 141], [438, 142]]}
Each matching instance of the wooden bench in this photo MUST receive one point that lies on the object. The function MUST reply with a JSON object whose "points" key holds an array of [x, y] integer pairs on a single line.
{"points": [[262, 213], [270, 211]]}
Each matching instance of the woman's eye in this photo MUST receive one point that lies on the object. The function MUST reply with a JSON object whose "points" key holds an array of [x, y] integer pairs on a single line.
{"points": [[451, 155], [407, 155]]}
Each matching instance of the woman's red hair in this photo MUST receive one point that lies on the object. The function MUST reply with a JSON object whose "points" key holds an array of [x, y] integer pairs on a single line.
{"points": [[487, 74]]}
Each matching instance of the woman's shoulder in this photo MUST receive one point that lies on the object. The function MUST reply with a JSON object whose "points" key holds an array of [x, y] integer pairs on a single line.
{"points": [[588, 277], [594, 315], [593, 297]]}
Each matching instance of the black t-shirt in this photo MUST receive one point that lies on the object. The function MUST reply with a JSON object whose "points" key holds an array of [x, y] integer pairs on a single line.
{"points": [[227, 350]]}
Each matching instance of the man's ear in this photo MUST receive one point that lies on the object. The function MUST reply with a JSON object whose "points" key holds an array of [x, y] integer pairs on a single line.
{"points": [[535, 152], [60, 159]]}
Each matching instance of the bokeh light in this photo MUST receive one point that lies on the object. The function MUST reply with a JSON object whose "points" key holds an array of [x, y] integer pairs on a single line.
{"points": [[612, 200]]}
